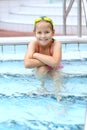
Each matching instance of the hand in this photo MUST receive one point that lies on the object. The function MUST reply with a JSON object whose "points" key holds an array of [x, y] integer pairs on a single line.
{"points": [[35, 55]]}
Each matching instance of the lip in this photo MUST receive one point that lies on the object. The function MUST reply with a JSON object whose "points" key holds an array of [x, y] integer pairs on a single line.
{"points": [[43, 40]]}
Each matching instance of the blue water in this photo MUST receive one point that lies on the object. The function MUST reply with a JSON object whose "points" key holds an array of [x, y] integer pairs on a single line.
{"points": [[22, 108]]}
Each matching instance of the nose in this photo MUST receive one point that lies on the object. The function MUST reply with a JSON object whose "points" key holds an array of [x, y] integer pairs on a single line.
{"points": [[43, 35]]}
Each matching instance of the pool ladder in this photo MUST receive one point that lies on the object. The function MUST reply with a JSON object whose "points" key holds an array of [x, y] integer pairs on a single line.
{"points": [[67, 9]]}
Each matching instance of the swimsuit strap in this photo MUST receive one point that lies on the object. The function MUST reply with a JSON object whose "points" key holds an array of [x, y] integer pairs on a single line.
{"points": [[50, 50], [38, 48], [51, 46]]}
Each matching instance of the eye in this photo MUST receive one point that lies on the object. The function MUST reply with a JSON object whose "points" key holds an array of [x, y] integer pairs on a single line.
{"points": [[47, 32], [39, 32]]}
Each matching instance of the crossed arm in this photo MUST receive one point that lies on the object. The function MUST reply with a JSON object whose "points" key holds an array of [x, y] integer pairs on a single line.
{"points": [[33, 59]]}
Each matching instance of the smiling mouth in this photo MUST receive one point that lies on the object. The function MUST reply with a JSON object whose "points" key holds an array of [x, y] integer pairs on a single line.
{"points": [[43, 40]]}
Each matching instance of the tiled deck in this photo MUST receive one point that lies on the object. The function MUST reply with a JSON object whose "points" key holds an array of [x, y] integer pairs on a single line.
{"points": [[8, 33]]}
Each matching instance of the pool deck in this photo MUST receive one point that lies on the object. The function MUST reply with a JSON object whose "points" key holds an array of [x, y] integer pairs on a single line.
{"points": [[9, 33]]}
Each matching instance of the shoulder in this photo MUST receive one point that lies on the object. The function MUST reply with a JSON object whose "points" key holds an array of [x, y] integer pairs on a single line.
{"points": [[33, 44], [57, 43]]}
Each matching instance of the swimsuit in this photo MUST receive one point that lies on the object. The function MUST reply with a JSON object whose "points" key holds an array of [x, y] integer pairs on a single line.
{"points": [[49, 67], [49, 49]]}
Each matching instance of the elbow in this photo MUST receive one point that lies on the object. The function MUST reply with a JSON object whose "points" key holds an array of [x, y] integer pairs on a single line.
{"points": [[55, 64], [27, 64]]}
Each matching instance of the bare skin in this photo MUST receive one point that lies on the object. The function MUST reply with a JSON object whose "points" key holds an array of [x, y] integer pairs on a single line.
{"points": [[44, 35], [41, 60]]}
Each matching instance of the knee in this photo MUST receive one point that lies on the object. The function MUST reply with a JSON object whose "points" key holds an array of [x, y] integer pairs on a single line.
{"points": [[42, 70]]}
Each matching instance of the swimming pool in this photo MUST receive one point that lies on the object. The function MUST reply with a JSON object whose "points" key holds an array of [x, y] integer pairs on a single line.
{"points": [[23, 108]]}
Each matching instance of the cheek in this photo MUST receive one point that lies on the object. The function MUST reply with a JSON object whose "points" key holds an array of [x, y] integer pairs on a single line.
{"points": [[51, 34], [36, 35]]}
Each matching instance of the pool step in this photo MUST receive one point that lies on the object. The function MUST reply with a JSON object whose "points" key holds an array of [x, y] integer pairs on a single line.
{"points": [[70, 113], [68, 87], [20, 16], [34, 124]]}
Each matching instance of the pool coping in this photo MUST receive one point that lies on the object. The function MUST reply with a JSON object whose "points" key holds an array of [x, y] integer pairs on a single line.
{"points": [[25, 40]]}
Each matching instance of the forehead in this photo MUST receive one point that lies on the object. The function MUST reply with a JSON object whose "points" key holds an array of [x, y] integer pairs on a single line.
{"points": [[43, 25]]}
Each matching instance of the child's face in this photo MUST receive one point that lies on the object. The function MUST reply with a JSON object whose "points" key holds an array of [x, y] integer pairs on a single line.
{"points": [[44, 32]]}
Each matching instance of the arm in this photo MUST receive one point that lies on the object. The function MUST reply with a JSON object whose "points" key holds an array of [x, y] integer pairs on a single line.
{"points": [[29, 60], [53, 60]]}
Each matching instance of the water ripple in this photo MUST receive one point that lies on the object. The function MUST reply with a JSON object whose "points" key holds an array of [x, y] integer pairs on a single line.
{"points": [[72, 99], [37, 125]]}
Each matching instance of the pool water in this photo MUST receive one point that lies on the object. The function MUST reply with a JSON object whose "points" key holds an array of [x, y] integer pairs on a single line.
{"points": [[23, 108]]}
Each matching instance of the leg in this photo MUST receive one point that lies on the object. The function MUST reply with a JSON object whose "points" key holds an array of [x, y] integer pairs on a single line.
{"points": [[41, 74], [58, 83]]}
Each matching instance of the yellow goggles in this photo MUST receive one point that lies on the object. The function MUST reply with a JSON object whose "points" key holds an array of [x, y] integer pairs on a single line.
{"points": [[47, 19]]}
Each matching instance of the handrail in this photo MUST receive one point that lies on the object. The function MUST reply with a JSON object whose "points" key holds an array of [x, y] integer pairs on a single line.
{"points": [[66, 12], [85, 9], [69, 7], [79, 9], [79, 18]]}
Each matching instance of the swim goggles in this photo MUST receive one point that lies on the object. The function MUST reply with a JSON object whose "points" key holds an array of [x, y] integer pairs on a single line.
{"points": [[45, 18]]}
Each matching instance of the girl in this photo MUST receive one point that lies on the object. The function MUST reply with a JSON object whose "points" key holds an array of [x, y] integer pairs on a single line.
{"points": [[45, 52]]}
